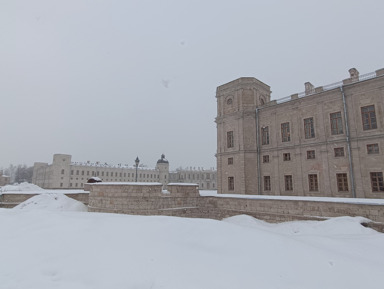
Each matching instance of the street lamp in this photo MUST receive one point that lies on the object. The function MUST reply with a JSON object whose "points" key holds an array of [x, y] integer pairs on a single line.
{"points": [[137, 161]]}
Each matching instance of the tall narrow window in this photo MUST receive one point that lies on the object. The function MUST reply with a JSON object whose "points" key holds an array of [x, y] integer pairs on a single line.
{"points": [[342, 182], [230, 142], [231, 183], [288, 183], [285, 132], [267, 183], [377, 182], [368, 116], [313, 183], [309, 129], [265, 135], [336, 123]]}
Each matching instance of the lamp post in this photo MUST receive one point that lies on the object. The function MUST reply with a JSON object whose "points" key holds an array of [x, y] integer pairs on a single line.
{"points": [[137, 161]]}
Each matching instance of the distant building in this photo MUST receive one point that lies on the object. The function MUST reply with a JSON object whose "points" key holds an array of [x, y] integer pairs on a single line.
{"points": [[65, 174], [4, 180], [327, 141], [206, 179]]}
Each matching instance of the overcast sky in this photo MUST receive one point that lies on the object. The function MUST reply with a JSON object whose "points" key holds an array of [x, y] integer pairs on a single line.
{"points": [[111, 80]]}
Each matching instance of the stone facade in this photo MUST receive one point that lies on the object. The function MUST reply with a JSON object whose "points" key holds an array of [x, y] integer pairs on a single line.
{"points": [[65, 174], [327, 141]]}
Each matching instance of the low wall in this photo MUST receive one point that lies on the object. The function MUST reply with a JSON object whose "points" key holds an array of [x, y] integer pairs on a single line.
{"points": [[184, 201]]}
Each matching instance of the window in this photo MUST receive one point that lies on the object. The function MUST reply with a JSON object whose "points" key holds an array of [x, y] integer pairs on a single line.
{"points": [[230, 143], [309, 129], [373, 148], [336, 123], [82, 173], [266, 159], [342, 182], [77, 172], [288, 183], [231, 183], [62, 171], [286, 157], [285, 133], [267, 183], [264, 135], [87, 173], [313, 183], [61, 185], [120, 175], [339, 152], [102, 174], [311, 155], [368, 116], [377, 182], [229, 101], [71, 172]]}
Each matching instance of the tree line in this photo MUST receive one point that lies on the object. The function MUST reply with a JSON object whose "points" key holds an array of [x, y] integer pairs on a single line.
{"points": [[18, 173]]}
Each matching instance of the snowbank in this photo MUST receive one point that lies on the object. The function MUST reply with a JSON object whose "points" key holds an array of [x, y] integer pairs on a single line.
{"points": [[53, 202], [49, 250], [22, 187]]}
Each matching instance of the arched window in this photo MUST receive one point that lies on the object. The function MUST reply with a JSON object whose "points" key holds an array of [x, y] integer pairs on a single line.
{"points": [[262, 101], [229, 101]]}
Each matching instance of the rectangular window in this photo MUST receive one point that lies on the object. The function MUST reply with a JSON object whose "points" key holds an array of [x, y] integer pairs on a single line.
{"points": [[368, 116], [230, 143], [311, 155], [61, 185], [71, 172], [82, 173], [230, 161], [313, 183], [267, 183], [373, 148], [77, 172], [339, 152], [285, 132], [266, 159], [231, 183], [342, 182], [87, 173], [336, 123], [264, 135], [288, 183], [377, 182], [309, 129], [286, 157]]}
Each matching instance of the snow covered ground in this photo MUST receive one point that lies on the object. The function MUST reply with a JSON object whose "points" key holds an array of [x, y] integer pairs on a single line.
{"points": [[44, 246]]}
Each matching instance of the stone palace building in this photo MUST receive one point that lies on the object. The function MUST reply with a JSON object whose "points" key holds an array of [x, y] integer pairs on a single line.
{"points": [[327, 141], [65, 174]]}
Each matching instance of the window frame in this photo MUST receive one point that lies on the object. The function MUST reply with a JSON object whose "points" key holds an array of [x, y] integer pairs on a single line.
{"points": [[231, 183], [265, 135], [342, 182], [309, 128], [285, 132], [265, 159], [368, 117], [337, 152], [286, 157], [377, 183], [336, 123], [313, 183], [230, 139], [373, 149], [311, 155], [267, 183], [288, 182]]}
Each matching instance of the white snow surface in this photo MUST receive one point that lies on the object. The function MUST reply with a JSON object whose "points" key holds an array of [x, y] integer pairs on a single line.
{"points": [[53, 202], [49, 249], [22, 187], [212, 193]]}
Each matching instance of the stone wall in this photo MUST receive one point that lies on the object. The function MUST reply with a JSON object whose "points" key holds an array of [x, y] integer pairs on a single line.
{"points": [[184, 201]]}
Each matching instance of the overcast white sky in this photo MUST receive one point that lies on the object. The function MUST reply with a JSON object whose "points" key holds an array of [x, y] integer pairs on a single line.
{"points": [[111, 80]]}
